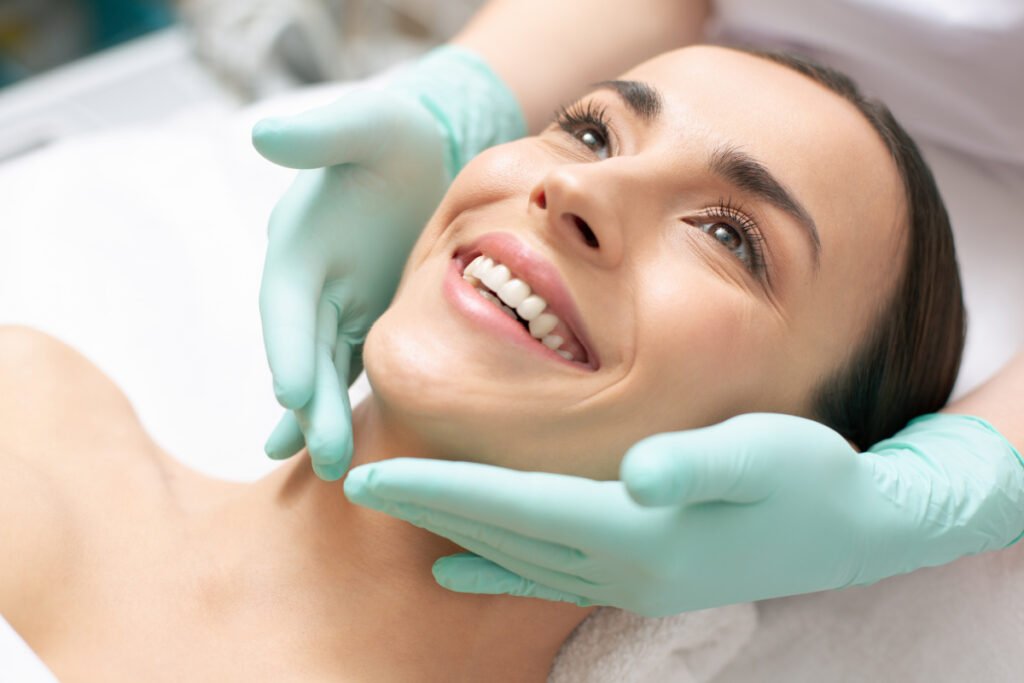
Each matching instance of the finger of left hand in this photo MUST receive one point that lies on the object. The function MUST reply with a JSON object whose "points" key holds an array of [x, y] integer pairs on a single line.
{"points": [[555, 508], [469, 573]]}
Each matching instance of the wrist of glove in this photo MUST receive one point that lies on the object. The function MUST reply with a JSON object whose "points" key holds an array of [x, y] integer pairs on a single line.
{"points": [[956, 487], [469, 101]]}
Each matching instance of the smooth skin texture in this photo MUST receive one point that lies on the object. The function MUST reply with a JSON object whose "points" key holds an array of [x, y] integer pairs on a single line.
{"points": [[121, 565]]}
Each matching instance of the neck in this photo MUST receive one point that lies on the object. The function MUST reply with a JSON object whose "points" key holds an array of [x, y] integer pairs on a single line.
{"points": [[370, 575]]}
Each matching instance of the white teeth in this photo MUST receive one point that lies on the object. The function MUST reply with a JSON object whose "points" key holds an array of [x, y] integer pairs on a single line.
{"points": [[514, 292], [482, 267], [473, 265], [542, 325], [496, 277], [508, 293], [552, 341], [531, 307]]}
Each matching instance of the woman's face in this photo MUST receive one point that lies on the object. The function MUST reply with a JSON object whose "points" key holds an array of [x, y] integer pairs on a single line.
{"points": [[721, 249]]}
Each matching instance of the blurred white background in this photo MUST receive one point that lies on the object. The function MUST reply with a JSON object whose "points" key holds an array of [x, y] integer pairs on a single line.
{"points": [[133, 208]]}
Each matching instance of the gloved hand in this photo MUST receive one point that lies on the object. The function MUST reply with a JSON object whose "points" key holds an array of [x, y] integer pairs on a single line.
{"points": [[380, 161], [756, 507]]}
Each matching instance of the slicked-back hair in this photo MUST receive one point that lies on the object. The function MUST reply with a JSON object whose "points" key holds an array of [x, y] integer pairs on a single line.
{"points": [[908, 362]]}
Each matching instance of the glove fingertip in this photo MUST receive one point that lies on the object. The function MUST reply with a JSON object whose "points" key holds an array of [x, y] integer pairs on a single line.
{"points": [[267, 137], [469, 573], [647, 480], [330, 471], [293, 395], [264, 128], [275, 451], [286, 440]]}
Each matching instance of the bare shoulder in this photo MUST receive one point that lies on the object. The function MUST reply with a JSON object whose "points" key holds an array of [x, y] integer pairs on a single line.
{"points": [[66, 430], [45, 382]]}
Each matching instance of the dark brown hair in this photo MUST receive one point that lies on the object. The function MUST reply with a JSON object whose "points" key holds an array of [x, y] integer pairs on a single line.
{"points": [[907, 364]]}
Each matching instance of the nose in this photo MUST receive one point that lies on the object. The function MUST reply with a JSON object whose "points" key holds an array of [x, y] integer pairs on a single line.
{"points": [[579, 213]]}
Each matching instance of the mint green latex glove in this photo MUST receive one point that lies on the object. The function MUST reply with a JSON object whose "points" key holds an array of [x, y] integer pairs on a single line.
{"points": [[759, 506], [378, 162]]}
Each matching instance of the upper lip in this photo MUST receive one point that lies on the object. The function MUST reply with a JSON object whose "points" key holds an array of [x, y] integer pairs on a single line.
{"points": [[544, 280]]}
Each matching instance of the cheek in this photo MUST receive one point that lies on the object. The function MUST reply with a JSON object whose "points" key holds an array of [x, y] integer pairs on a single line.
{"points": [[493, 175], [706, 351]]}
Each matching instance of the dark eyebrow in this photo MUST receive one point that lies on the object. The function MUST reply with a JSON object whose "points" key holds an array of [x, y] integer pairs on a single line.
{"points": [[642, 99], [752, 177]]}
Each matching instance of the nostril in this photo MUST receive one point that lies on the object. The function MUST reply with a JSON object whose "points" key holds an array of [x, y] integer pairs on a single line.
{"points": [[541, 200], [588, 235]]}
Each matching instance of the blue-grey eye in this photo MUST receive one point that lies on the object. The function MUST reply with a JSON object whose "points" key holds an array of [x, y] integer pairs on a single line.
{"points": [[595, 141], [730, 237], [727, 235]]}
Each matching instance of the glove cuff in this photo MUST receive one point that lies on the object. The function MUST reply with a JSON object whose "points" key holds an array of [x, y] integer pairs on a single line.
{"points": [[472, 105], [966, 437]]}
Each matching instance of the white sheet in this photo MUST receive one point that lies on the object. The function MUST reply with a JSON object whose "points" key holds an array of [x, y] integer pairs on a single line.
{"points": [[18, 663], [143, 249]]}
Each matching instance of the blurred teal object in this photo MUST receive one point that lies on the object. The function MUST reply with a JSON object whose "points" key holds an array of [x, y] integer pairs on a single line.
{"points": [[36, 35]]}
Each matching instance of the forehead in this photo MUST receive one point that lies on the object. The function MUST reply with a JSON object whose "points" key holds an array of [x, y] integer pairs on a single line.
{"points": [[811, 139]]}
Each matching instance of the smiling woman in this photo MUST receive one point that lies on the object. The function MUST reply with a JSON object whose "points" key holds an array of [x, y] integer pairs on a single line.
{"points": [[714, 234], [718, 233]]}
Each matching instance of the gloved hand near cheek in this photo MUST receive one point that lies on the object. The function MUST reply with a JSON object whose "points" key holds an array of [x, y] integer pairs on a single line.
{"points": [[759, 506], [378, 162]]}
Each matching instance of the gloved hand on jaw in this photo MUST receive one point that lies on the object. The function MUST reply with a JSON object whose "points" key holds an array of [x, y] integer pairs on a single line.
{"points": [[756, 507], [378, 162]]}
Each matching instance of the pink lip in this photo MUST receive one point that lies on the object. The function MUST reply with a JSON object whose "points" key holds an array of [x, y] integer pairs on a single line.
{"points": [[543, 279]]}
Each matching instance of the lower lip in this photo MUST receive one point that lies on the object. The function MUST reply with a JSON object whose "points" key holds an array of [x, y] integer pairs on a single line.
{"points": [[464, 297]]}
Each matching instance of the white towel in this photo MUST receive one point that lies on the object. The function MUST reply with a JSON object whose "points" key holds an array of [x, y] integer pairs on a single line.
{"points": [[614, 646], [18, 663]]}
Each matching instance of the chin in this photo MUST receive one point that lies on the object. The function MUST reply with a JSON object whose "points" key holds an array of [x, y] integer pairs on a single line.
{"points": [[470, 391], [426, 385], [460, 403]]}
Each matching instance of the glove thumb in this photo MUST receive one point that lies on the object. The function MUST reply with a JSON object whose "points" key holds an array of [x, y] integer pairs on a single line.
{"points": [[726, 462], [338, 133]]}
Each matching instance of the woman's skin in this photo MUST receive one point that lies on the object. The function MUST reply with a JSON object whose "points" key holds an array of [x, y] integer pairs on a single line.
{"points": [[124, 565]]}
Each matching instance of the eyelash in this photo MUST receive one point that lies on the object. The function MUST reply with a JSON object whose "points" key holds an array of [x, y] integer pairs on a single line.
{"points": [[588, 116], [583, 116], [738, 219]]}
